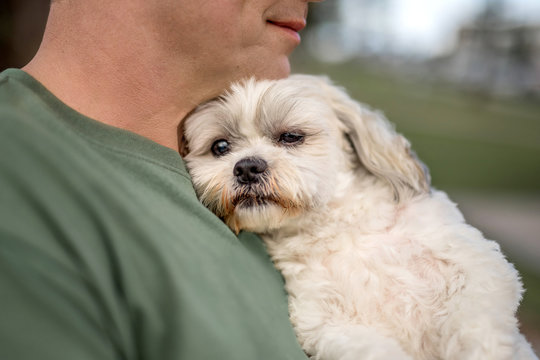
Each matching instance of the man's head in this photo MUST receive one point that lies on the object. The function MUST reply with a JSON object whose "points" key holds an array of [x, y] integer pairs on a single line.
{"points": [[218, 40], [143, 65], [231, 37]]}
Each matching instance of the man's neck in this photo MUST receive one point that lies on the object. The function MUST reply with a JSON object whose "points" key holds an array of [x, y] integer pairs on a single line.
{"points": [[118, 100], [130, 85]]}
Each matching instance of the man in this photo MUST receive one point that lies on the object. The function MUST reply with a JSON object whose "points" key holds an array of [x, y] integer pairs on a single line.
{"points": [[105, 252]]}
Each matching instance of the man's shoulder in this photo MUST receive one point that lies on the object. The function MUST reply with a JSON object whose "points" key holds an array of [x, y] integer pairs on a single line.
{"points": [[30, 133], [23, 113], [114, 220]]}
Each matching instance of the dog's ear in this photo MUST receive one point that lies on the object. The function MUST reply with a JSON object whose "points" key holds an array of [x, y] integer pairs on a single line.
{"points": [[183, 147], [379, 148]]}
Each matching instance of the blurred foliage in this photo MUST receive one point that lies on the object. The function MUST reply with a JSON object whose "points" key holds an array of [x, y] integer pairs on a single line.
{"points": [[321, 12]]}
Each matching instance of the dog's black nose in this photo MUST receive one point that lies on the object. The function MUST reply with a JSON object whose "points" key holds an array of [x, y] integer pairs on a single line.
{"points": [[248, 170]]}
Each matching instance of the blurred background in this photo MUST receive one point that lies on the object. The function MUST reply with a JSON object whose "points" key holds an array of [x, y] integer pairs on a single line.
{"points": [[460, 78]]}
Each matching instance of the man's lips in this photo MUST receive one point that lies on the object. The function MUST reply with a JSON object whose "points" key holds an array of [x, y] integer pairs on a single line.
{"points": [[292, 27], [295, 25]]}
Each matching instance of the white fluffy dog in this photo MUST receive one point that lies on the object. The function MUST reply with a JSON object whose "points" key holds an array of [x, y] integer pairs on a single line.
{"points": [[377, 265]]}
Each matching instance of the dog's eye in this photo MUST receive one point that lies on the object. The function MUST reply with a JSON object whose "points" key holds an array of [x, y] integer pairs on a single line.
{"points": [[291, 138], [220, 147]]}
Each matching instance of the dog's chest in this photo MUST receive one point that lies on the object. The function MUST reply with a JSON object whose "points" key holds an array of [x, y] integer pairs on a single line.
{"points": [[382, 280]]}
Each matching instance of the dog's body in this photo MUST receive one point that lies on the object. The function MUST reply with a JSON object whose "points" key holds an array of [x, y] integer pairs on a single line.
{"points": [[377, 265], [414, 273]]}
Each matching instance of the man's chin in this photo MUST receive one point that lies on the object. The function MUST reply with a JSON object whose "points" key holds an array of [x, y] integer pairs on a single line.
{"points": [[283, 69], [279, 68]]}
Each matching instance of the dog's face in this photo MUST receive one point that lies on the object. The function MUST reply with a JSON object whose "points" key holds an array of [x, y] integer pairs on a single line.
{"points": [[262, 154], [269, 151]]}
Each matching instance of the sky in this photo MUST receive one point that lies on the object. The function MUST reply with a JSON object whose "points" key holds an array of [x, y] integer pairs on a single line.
{"points": [[420, 28]]}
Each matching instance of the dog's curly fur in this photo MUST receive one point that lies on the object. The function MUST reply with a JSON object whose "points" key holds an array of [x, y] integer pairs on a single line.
{"points": [[377, 264]]}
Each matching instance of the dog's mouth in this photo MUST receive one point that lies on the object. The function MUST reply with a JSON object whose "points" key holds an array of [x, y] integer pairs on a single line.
{"points": [[244, 206], [253, 200]]}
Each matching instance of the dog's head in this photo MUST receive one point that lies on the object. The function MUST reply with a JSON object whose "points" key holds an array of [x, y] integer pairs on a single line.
{"points": [[267, 151]]}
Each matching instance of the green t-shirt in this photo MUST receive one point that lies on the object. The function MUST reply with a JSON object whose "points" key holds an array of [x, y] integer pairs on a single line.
{"points": [[106, 253]]}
